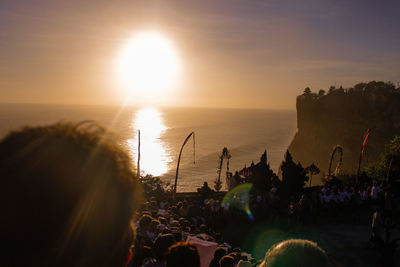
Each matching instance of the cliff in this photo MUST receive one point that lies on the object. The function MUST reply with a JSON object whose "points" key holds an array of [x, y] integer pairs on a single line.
{"points": [[341, 117]]}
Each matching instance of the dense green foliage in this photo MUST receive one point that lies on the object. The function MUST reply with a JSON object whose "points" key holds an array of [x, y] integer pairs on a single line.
{"points": [[360, 88], [379, 170], [154, 186]]}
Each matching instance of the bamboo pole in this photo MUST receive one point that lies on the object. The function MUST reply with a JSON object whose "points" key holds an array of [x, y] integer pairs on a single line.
{"points": [[179, 159], [138, 159]]}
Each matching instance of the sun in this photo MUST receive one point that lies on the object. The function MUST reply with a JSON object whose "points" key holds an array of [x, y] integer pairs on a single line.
{"points": [[148, 65]]}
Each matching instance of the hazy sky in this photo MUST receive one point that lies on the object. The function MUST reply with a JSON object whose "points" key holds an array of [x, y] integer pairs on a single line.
{"points": [[246, 54]]}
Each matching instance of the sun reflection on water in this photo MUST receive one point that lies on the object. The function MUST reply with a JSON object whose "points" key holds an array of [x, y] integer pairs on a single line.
{"points": [[154, 156]]}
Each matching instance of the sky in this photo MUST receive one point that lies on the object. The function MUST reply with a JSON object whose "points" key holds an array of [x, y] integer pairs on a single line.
{"points": [[235, 54]]}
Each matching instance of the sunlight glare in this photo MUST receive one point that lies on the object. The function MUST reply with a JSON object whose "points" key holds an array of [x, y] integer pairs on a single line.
{"points": [[154, 156], [148, 65]]}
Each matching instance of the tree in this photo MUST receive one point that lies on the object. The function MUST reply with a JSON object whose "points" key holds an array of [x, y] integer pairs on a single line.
{"points": [[331, 89], [321, 92], [390, 157], [153, 186], [307, 91], [263, 175], [293, 178], [312, 169], [359, 87]]}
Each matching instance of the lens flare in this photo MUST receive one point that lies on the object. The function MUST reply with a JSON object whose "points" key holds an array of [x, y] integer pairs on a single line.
{"points": [[239, 198]]}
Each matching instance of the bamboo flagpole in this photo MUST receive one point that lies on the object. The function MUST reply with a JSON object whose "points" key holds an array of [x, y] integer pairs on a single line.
{"points": [[366, 135], [138, 158], [179, 158]]}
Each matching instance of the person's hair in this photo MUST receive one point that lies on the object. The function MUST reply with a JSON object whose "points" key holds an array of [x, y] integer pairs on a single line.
{"points": [[145, 221], [166, 231], [162, 220], [218, 254], [153, 225], [182, 254], [67, 196], [177, 234], [295, 252], [161, 245], [227, 261], [236, 256]]}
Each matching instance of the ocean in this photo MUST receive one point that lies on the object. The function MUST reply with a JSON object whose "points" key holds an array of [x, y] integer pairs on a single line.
{"points": [[246, 133]]}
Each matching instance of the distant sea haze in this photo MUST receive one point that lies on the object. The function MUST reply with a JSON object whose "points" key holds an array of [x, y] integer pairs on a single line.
{"points": [[246, 133]]}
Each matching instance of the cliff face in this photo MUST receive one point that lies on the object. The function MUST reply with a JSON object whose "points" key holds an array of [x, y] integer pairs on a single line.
{"points": [[341, 118]]}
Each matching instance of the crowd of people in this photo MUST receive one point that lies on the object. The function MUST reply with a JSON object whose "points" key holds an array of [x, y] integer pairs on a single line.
{"points": [[70, 197], [315, 204], [165, 225], [329, 201], [161, 224], [344, 194], [373, 196]]}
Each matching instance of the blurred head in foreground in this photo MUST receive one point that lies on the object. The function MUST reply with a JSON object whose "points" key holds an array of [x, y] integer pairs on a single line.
{"points": [[295, 252], [68, 194]]}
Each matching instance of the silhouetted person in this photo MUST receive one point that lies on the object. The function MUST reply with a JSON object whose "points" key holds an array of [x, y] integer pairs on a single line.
{"points": [[161, 245], [205, 191], [227, 261], [218, 254], [68, 193], [182, 254], [143, 228], [141, 255], [295, 252]]}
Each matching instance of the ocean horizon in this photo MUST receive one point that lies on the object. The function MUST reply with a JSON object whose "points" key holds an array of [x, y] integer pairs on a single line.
{"points": [[245, 132]]}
